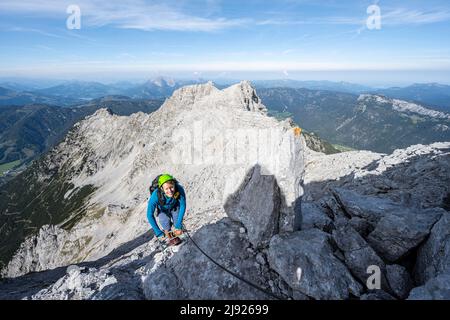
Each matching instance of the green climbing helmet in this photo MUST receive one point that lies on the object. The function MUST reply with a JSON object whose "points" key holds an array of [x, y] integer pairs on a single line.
{"points": [[164, 178]]}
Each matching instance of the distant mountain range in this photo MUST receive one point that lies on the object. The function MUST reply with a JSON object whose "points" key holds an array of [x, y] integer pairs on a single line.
{"points": [[19, 98], [313, 85], [369, 122], [73, 93], [67, 93], [432, 94], [79, 90], [28, 131]]}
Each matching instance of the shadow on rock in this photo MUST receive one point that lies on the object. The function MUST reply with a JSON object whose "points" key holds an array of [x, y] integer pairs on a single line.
{"points": [[29, 284]]}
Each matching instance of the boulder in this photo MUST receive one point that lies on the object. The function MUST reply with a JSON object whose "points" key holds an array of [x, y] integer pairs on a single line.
{"points": [[312, 216], [399, 280], [368, 208], [397, 233], [433, 257], [361, 226], [305, 260], [358, 255], [396, 229], [333, 206], [377, 295], [437, 288]]}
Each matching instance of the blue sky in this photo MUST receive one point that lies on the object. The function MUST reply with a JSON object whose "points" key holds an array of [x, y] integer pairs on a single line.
{"points": [[296, 39]]}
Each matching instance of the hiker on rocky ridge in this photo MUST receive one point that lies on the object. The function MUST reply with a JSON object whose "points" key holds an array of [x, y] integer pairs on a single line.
{"points": [[169, 200]]}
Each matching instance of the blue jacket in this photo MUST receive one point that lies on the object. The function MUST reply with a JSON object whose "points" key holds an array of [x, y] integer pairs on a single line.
{"points": [[170, 203]]}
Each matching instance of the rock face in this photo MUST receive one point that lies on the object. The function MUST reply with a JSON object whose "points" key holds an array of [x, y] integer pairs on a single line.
{"points": [[295, 223], [306, 262], [257, 206]]}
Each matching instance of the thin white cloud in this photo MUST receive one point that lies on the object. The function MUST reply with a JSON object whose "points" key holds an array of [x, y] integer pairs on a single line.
{"points": [[288, 51], [131, 14], [33, 30], [167, 15], [175, 22], [405, 16], [64, 34], [44, 47], [126, 55], [312, 21], [75, 34], [398, 16]]}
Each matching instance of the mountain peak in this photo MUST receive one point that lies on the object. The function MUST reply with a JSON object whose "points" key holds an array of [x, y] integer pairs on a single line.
{"points": [[190, 94], [103, 112], [161, 82], [241, 96], [246, 93]]}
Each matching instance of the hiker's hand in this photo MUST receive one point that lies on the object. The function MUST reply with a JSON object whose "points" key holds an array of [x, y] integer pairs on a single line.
{"points": [[178, 232], [162, 237]]}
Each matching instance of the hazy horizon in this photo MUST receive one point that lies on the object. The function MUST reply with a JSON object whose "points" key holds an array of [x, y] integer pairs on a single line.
{"points": [[219, 79]]}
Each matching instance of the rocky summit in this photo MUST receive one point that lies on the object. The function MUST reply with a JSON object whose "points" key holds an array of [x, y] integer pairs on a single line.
{"points": [[296, 223]]}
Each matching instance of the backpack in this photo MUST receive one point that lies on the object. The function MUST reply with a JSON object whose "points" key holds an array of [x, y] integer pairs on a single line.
{"points": [[161, 200]]}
